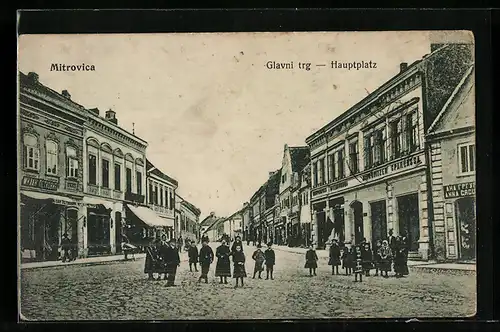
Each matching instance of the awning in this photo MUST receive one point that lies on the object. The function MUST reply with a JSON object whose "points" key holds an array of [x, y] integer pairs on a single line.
{"points": [[149, 217], [42, 196], [95, 201]]}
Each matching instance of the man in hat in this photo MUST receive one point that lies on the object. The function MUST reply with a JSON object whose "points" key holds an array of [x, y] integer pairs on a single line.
{"points": [[206, 258], [66, 248], [172, 261]]}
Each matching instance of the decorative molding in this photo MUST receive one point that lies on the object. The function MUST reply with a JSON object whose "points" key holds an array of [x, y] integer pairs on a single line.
{"points": [[106, 147], [29, 129], [51, 122], [29, 114], [51, 136], [139, 161], [93, 142], [129, 157], [118, 153]]}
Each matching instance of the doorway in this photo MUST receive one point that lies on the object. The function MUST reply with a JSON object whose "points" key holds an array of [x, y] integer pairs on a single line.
{"points": [[72, 230], [379, 221], [409, 220], [118, 232], [466, 226], [357, 210], [321, 228]]}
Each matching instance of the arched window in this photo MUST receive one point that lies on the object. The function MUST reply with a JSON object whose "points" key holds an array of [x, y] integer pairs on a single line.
{"points": [[71, 162], [31, 152], [51, 149]]}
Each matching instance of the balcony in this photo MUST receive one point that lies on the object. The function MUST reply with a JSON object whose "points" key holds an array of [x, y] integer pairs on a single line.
{"points": [[133, 197]]}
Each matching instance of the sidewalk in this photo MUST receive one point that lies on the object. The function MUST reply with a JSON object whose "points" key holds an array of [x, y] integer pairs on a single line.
{"points": [[80, 261]]}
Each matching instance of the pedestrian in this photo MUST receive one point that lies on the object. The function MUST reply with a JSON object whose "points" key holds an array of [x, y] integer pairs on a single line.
{"points": [[237, 242], [152, 259], [334, 259], [193, 257], [367, 258], [259, 258], [347, 260], [311, 261], [206, 258], [162, 247], [223, 267], [385, 254], [358, 268], [172, 261], [391, 239], [376, 256], [400, 258], [66, 248], [270, 258], [239, 265], [179, 243]]}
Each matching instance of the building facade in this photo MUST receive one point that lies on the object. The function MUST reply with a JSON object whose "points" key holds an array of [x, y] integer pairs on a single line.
{"points": [[369, 166], [304, 193], [189, 220], [245, 215], [453, 169], [50, 170]]}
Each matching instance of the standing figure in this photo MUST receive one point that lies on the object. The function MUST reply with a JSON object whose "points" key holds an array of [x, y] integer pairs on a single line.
{"points": [[385, 254], [391, 239], [172, 261], [270, 260], [153, 259], [367, 258], [179, 243], [347, 260], [223, 267], [237, 242], [66, 248], [239, 265], [193, 257], [400, 258], [334, 259], [358, 268], [259, 258], [204, 238], [206, 258], [311, 261], [376, 256]]}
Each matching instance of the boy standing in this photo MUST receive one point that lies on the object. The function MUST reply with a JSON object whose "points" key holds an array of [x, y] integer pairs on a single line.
{"points": [[270, 261]]}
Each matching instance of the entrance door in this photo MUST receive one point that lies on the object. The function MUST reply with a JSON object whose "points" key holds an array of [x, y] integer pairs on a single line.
{"points": [[357, 210], [339, 226], [72, 229], [379, 221], [466, 222], [118, 232], [409, 222], [321, 228]]}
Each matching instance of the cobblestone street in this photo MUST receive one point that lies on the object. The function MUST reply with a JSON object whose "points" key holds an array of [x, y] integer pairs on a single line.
{"points": [[120, 291]]}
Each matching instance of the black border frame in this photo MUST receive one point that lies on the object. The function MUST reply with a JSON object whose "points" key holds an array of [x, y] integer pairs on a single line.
{"points": [[236, 20]]}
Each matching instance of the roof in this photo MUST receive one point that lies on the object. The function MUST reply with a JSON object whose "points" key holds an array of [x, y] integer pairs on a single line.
{"points": [[157, 172], [191, 207], [215, 223], [300, 156], [459, 109], [208, 220]]}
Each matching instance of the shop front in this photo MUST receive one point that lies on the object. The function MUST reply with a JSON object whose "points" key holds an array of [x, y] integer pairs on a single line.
{"points": [[143, 225]]}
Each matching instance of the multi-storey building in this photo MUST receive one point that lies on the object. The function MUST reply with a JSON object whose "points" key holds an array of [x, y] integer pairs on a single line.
{"points": [[369, 164], [233, 226], [50, 170], [161, 197], [255, 205], [188, 220], [293, 162], [304, 192], [245, 215], [453, 167]]}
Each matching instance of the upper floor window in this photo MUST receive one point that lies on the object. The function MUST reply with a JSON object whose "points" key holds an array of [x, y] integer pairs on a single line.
{"points": [[151, 193], [321, 171], [118, 173], [354, 157], [412, 131], [92, 169], [378, 147], [340, 164], [128, 179], [467, 158], [161, 196], [315, 174], [331, 168], [31, 152], [138, 178], [71, 162], [105, 173], [397, 138], [51, 149], [369, 153]]}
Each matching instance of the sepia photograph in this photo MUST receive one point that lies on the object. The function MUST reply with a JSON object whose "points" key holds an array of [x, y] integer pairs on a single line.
{"points": [[238, 176]]}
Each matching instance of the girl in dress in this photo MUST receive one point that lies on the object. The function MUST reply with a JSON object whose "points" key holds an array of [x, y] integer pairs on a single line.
{"points": [[239, 265], [385, 254], [311, 261]]}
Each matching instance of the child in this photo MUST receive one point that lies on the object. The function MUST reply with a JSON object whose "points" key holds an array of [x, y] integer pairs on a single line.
{"points": [[193, 257], [376, 258], [239, 265], [334, 260], [385, 254], [366, 258], [259, 258], [311, 261], [270, 261], [358, 269], [347, 261]]}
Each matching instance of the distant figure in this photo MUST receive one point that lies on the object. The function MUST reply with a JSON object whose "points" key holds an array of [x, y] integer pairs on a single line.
{"points": [[259, 258], [385, 254], [172, 261], [223, 267], [391, 239], [270, 260], [193, 257], [358, 268], [66, 248], [348, 260], [400, 258], [376, 256], [179, 243], [367, 258], [237, 242], [239, 265], [334, 259], [311, 261], [153, 259], [206, 258]]}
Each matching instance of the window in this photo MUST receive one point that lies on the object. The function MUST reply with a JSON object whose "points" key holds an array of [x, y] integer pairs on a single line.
{"points": [[340, 164], [51, 149], [118, 173], [379, 147], [396, 138], [321, 167], [31, 152], [412, 131], [331, 168], [172, 201], [105, 173], [92, 169], [368, 151], [315, 174], [161, 196], [71, 162], [156, 195], [151, 193], [353, 157], [129, 179], [467, 158], [139, 182]]}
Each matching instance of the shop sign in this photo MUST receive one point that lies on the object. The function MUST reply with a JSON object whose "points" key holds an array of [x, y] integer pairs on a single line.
{"points": [[74, 203], [459, 190], [40, 183]]}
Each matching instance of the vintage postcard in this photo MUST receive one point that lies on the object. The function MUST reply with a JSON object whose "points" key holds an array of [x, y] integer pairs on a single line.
{"points": [[247, 176]]}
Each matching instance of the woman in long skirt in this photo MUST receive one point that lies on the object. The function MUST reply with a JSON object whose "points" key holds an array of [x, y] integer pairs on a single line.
{"points": [[239, 265], [311, 261], [223, 267], [334, 259]]}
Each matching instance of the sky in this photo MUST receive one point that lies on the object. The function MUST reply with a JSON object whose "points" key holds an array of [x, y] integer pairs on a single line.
{"points": [[215, 117]]}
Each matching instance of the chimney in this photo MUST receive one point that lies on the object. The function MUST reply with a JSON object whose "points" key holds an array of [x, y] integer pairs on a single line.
{"points": [[33, 77], [94, 111], [403, 66], [111, 116], [66, 94]]}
